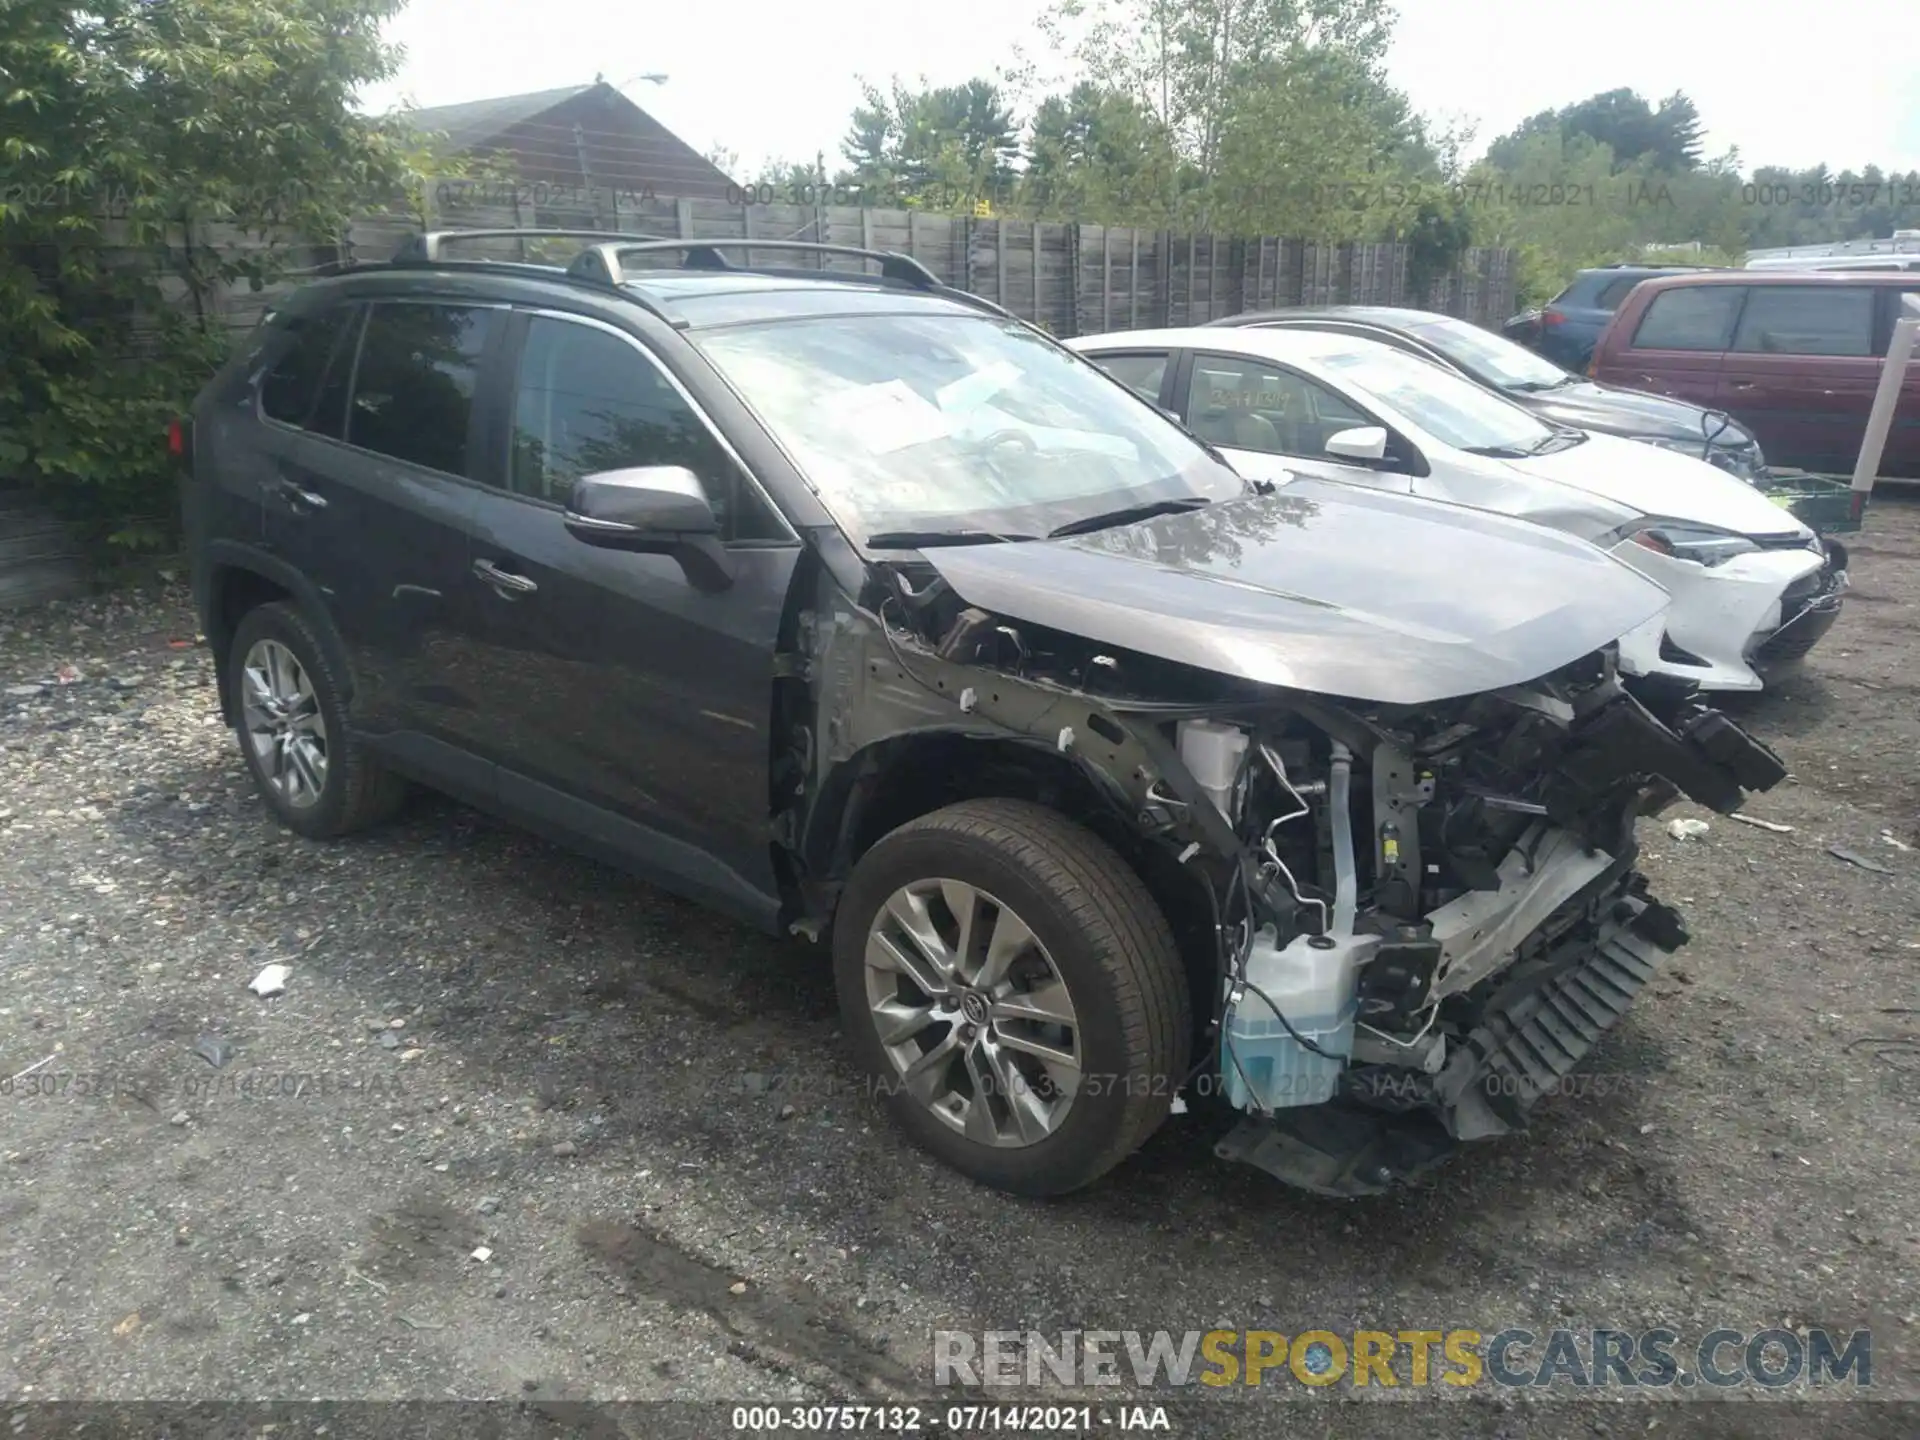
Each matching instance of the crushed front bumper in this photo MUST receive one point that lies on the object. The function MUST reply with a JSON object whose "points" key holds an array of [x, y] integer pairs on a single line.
{"points": [[1719, 616], [1570, 937], [1388, 1125], [1808, 609]]}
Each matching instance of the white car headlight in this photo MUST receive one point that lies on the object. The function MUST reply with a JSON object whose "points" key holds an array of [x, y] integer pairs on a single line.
{"points": [[1699, 543]]}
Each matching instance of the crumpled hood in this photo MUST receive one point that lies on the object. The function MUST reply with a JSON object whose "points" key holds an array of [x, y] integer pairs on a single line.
{"points": [[1661, 483], [1606, 408], [1362, 594]]}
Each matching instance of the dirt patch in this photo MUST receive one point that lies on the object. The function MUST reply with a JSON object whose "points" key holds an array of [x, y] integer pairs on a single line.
{"points": [[421, 1234], [780, 1326]]}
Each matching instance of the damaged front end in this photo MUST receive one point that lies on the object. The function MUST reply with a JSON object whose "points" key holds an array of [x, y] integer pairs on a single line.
{"points": [[1418, 917], [1487, 924]]}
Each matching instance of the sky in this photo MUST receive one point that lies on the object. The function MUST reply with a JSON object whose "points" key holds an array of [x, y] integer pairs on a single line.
{"points": [[780, 81]]}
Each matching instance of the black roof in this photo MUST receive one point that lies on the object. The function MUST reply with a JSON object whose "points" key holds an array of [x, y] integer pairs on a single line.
{"points": [[696, 299], [688, 296], [477, 121]]}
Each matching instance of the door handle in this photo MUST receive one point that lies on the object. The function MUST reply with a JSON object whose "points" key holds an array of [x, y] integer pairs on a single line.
{"points": [[504, 581], [302, 497]]}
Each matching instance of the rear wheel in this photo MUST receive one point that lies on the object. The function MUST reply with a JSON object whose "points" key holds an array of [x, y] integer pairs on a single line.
{"points": [[1014, 992], [292, 724]]}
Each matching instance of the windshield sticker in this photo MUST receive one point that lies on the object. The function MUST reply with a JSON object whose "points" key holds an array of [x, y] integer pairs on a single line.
{"points": [[886, 417], [978, 387]]}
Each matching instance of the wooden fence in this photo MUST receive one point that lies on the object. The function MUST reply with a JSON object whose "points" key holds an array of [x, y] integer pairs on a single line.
{"points": [[1071, 278]]}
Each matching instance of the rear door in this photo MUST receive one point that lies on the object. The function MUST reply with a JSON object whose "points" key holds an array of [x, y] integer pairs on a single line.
{"points": [[1273, 423], [371, 501], [1674, 344], [1800, 373], [626, 708]]}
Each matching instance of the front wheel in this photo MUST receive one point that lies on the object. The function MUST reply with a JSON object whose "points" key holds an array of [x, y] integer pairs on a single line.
{"points": [[1013, 991]]}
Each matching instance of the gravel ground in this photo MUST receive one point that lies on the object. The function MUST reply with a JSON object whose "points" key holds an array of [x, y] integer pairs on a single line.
{"points": [[522, 1128]]}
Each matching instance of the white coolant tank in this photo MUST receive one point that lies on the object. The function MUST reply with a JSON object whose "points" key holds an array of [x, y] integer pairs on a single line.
{"points": [[1316, 987], [1212, 752]]}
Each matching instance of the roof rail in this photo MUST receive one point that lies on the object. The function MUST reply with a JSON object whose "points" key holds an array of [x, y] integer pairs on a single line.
{"points": [[599, 263], [603, 261], [429, 248]]}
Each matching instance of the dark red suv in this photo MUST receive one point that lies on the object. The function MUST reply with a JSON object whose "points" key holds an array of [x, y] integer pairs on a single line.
{"points": [[1794, 356]]}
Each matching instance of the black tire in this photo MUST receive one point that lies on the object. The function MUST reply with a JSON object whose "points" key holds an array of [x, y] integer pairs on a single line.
{"points": [[1111, 945], [357, 791]]}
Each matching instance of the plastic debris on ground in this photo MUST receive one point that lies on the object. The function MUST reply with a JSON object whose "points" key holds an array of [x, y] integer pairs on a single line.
{"points": [[1840, 852], [216, 1050], [1687, 829], [270, 981]]}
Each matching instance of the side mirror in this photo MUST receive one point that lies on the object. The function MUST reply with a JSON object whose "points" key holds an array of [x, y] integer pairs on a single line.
{"points": [[1364, 442], [653, 510]]}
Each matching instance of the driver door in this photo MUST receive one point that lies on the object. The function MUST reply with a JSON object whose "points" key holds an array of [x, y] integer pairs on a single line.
{"points": [[629, 709], [1273, 423]]}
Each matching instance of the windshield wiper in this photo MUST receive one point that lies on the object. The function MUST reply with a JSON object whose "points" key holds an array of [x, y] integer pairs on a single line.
{"points": [[1559, 440], [1128, 515], [929, 539], [1498, 452]]}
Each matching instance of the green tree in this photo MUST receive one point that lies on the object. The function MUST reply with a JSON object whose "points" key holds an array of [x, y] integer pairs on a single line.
{"points": [[1668, 137], [1276, 111], [1098, 155], [126, 127], [953, 143], [1816, 206]]}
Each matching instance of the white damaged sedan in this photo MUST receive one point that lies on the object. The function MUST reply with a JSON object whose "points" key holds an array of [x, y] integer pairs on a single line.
{"points": [[1752, 587]]}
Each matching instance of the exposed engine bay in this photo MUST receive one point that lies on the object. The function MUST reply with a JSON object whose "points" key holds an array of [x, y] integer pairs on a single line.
{"points": [[1420, 916]]}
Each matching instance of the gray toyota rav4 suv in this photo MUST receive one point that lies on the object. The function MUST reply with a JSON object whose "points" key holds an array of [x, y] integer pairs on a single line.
{"points": [[850, 604]]}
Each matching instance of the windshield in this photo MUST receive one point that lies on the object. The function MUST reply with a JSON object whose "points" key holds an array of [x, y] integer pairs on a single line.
{"points": [[1489, 357], [957, 422], [1454, 411]]}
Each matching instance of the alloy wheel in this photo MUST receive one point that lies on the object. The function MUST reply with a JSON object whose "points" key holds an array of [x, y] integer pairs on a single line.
{"points": [[973, 1013], [284, 724]]}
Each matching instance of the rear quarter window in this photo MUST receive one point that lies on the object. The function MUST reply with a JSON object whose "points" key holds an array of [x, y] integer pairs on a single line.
{"points": [[1139, 371], [308, 350], [1699, 317], [1614, 291]]}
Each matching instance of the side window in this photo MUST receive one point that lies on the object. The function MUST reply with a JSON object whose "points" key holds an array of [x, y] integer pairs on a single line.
{"points": [[1698, 317], [1140, 373], [314, 355], [1807, 320], [588, 401], [1892, 311], [1614, 291], [413, 390], [1249, 406]]}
